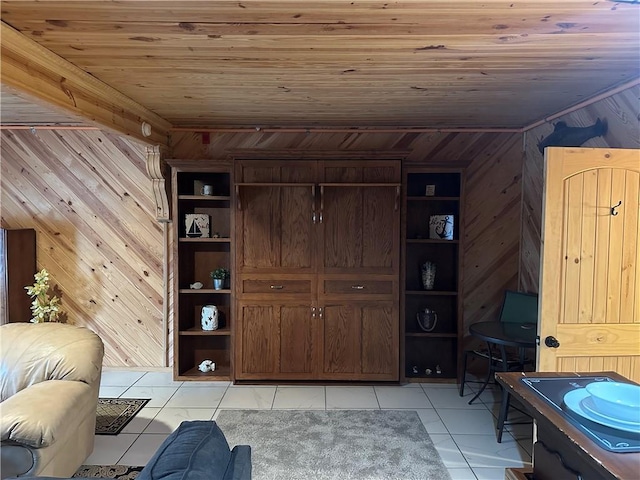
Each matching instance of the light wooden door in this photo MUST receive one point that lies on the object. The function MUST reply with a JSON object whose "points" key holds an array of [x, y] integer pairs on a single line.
{"points": [[590, 275]]}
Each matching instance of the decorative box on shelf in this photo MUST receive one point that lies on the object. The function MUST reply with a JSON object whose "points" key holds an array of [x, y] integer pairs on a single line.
{"points": [[441, 227], [197, 225]]}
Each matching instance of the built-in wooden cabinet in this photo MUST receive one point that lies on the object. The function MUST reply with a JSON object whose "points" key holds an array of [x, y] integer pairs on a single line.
{"points": [[318, 263], [325, 259], [17, 267], [194, 258], [432, 354]]}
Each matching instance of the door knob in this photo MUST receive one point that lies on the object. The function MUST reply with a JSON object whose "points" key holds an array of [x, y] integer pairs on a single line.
{"points": [[551, 342]]}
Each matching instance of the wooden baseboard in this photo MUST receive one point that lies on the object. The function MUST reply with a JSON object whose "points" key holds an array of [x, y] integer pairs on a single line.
{"points": [[518, 473]]}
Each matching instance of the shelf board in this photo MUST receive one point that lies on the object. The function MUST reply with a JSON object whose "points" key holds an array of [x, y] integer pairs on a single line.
{"points": [[203, 290], [195, 331], [221, 373], [217, 198], [431, 335], [430, 292], [431, 199], [414, 378], [430, 240], [204, 240]]}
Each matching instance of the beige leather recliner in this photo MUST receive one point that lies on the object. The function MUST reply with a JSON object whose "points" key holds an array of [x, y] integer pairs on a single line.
{"points": [[49, 379]]}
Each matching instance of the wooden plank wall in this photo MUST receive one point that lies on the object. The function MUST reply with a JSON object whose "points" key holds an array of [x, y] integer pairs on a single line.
{"points": [[493, 191], [622, 112], [492, 230], [88, 196]]}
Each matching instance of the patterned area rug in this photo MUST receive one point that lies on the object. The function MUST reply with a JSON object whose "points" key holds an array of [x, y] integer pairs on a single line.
{"points": [[115, 413], [119, 472], [334, 445]]}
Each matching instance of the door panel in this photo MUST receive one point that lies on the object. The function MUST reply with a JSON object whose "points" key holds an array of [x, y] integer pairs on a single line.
{"points": [[260, 222], [342, 225], [377, 227], [342, 331], [277, 340], [260, 339], [591, 303], [360, 341], [359, 229], [379, 340], [296, 227], [277, 228], [297, 346]]}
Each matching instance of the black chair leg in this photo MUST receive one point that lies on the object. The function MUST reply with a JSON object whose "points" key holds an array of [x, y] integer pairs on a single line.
{"points": [[464, 373], [504, 411]]}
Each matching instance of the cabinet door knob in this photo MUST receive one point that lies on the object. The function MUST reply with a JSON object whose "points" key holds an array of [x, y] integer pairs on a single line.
{"points": [[276, 287], [313, 312], [320, 313], [357, 287]]}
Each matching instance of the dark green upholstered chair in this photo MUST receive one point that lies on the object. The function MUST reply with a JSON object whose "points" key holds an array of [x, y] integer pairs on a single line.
{"points": [[518, 308]]}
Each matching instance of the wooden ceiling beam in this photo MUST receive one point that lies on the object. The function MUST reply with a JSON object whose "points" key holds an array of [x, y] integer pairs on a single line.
{"points": [[38, 72]]}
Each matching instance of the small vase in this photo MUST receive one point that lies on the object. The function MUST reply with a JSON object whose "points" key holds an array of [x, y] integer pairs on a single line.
{"points": [[209, 317], [218, 283], [428, 275]]}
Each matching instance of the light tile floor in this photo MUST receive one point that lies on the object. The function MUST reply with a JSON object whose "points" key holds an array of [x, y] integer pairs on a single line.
{"points": [[464, 435]]}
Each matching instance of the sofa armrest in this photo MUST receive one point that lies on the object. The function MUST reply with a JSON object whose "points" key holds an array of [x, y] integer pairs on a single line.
{"points": [[239, 467], [35, 415], [196, 450]]}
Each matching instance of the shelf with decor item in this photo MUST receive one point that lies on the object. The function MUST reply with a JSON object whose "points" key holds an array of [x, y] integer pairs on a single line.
{"points": [[431, 273], [203, 242]]}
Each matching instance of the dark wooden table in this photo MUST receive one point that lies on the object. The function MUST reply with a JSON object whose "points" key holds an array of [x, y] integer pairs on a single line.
{"points": [[561, 450]]}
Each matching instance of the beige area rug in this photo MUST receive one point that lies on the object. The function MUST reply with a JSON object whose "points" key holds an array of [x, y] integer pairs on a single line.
{"points": [[334, 445], [113, 414]]}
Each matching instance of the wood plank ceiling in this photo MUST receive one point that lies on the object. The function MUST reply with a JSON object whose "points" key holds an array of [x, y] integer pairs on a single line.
{"points": [[366, 63]]}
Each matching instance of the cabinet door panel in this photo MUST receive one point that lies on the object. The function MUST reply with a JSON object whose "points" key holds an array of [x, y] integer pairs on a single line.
{"points": [[296, 227], [260, 337], [277, 340], [378, 222], [379, 340], [360, 341], [342, 220], [341, 339], [297, 345], [360, 228], [276, 227], [260, 220]]}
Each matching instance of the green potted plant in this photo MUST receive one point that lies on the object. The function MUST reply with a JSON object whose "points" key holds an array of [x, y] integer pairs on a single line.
{"points": [[219, 275]]}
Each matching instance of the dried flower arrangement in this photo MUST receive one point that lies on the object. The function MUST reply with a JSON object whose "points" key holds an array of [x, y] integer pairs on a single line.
{"points": [[43, 307]]}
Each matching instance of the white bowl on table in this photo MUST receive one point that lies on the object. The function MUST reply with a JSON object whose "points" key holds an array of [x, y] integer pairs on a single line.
{"points": [[616, 399]]}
